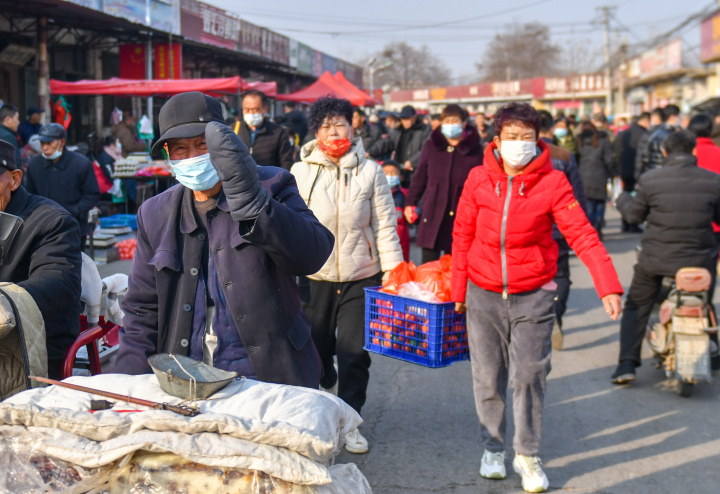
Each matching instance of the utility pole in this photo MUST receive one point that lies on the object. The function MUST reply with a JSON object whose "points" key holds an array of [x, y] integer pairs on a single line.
{"points": [[608, 65]]}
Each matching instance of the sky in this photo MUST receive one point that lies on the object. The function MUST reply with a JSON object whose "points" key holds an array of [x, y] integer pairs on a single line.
{"points": [[458, 31]]}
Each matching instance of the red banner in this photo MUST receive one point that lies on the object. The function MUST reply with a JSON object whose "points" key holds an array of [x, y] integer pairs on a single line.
{"points": [[162, 62], [132, 61]]}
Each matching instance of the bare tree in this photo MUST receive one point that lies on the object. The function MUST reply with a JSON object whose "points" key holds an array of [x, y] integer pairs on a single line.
{"points": [[411, 67], [580, 56], [520, 51]]}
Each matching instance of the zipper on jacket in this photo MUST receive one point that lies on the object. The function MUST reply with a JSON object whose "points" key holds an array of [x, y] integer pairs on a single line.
{"points": [[337, 226], [503, 229]]}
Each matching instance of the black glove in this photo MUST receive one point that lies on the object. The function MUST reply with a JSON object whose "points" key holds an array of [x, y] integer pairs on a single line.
{"points": [[237, 169]]}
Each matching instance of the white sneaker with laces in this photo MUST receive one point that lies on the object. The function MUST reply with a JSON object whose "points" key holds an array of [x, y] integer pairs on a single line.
{"points": [[530, 469], [355, 442], [493, 465]]}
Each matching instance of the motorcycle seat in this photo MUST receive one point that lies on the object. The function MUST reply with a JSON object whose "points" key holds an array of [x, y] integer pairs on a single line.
{"points": [[693, 280]]}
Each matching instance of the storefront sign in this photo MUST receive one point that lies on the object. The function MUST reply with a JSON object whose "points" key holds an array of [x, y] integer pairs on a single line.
{"points": [[306, 57], [250, 38], [661, 60], [163, 14], [207, 24], [162, 62], [710, 39]]}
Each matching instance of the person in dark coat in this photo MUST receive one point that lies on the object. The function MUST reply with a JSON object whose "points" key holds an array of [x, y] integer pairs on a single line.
{"points": [[64, 176], [44, 259], [446, 160], [562, 160], [369, 134], [406, 141], [627, 143], [217, 256], [31, 126], [268, 142], [649, 152], [679, 201], [9, 123], [597, 166], [296, 120]]}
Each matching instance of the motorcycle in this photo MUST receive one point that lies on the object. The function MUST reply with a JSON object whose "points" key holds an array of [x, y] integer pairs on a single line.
{"points": [[681, 338]]}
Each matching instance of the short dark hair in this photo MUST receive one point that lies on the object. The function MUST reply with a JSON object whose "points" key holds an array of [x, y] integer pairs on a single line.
{"points": [[328, 107], [454, 110], [435, 116], [518, 113], [680, 141], [701, 125], [546, 120], [671, 111], [290, 104], [644, 115], [258, 94], [600, 117], [659, 112], [8, 111], [360, 112]]}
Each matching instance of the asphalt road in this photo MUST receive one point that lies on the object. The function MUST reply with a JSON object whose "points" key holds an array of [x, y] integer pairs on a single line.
{"points": [[597, 437]]}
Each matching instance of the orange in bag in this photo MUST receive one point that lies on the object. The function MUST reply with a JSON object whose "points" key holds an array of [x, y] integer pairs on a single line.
{"points": [[402, 273]]}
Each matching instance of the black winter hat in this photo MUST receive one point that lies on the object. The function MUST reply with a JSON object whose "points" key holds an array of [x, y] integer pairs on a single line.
{"points": [[52, 132], [186, 115], [7, 155]]}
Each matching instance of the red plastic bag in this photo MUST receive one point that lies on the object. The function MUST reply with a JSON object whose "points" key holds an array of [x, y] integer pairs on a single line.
{"points": [[403, 273], [102, 180], [436, 276]]}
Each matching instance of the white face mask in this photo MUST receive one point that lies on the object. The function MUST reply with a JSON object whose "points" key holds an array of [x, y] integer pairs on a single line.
{"points": [[517, 154], [253, 119]]}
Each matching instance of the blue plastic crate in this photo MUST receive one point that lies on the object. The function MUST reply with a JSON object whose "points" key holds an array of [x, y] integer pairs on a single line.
{"points": [[119, 220], [433, 335]]}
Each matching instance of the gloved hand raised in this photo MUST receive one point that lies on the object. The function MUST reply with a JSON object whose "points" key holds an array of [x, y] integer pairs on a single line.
{"points": [[238, 172]]}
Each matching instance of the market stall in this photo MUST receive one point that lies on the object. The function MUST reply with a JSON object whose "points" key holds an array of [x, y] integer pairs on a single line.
{"points": [[328, 85]]}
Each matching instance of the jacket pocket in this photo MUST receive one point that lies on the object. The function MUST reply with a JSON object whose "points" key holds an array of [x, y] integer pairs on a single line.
{"points": [[299, 332], [165, 259]]}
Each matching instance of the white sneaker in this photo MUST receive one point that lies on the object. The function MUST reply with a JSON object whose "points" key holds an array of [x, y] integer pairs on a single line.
{"points": [[493, 465], [355, 442], [530, 469]]}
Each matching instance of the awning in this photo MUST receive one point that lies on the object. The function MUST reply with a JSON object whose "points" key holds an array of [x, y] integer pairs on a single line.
{"points": [[326, 85], [160, 87], [345, 83]]}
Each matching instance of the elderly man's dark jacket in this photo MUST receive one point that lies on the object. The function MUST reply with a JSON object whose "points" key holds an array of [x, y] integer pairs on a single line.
{"points": [[45, 260], [271, 146], [257, 265], [70, 181], [407, 143], [679, 201]]}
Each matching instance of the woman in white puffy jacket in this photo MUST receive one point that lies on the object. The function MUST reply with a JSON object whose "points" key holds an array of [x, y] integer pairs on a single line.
{"points": [[350, 195]]}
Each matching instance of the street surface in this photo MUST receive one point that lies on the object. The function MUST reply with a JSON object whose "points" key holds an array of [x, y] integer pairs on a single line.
{"points": [[425, 438]]}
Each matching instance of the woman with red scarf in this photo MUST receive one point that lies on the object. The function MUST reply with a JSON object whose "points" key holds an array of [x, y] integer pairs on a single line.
{"points": [[351, 197], [504, 262]]}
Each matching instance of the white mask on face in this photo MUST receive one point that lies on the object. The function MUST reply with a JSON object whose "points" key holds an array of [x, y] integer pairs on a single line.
{"points": [[517, 154], [253, 119]]}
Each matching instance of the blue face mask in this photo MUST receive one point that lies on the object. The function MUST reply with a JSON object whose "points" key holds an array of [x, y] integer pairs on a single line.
{"points": [[195, 173], [451, 131], [55, 155], [393, 181], [560, 133]]}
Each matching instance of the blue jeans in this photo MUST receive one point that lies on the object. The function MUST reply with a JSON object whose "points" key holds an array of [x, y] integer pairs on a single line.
{"points": [[596, 213]]}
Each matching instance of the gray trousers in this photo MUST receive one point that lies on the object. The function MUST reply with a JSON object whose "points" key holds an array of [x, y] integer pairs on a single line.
{"points": [[510, 341]]}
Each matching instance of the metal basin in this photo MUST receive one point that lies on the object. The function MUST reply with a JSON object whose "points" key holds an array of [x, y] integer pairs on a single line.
{"points": [[175, 374]]}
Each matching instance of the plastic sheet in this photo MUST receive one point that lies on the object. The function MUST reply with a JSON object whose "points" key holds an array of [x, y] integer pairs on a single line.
{"points": [[24, 469]]}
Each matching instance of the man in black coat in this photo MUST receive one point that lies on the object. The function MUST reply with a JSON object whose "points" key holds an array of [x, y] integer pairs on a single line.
{"points": [[64, 176], [369, 134], [649, 151], [626, 147], [679, 201], [406, 141], [44, 259], [296, 120], [217, 257], [9, 123], [268, 142]]}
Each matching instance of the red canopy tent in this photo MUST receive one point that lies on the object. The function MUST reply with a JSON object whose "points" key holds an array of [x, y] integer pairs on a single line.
{"points": [[326, 85], [345, 83], [160, 87]]}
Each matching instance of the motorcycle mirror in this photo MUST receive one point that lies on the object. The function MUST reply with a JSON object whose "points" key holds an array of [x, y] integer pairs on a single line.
{"points": [[10, 225]]}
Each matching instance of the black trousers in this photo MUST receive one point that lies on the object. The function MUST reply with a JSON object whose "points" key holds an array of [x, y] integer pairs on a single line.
{"points": [[562, 279], [337, 314], [642, 295]]}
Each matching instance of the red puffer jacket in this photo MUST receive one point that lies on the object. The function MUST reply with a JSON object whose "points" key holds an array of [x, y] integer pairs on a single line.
{"points": [[502, 240]]}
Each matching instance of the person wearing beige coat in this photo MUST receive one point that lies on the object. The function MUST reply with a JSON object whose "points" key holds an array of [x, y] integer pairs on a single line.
{"points": [[350, 196]]}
